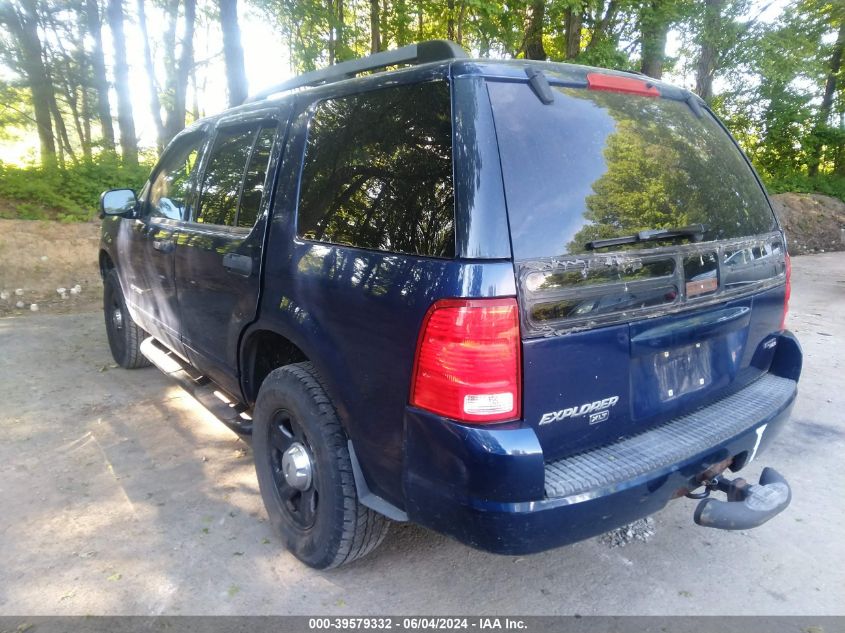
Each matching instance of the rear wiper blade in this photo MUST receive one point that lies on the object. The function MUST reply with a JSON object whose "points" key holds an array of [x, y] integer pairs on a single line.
{"points": [[695, 232]]}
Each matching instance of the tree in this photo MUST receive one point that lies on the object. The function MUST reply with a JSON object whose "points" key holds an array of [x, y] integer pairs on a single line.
{"points": [[233, 52], [708, 49], [152, 84], [125, 116], [177, 69], [835, 66], [533, 43], [572, 30], [100, 81], [22, 22], [655, 18], [375, 27]]}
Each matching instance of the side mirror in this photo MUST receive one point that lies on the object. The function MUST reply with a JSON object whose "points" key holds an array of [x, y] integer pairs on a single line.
{"points": [[122, 202]]}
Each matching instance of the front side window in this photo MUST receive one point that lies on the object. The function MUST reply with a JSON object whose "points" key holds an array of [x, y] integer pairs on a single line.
{"points": [[378, 171], [233, 182], [170, 190]]}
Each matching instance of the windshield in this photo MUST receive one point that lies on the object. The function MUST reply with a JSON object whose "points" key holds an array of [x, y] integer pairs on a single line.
{"points": [[595, 165]]}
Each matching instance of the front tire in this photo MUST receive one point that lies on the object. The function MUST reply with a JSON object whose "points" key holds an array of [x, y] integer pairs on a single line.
{"points": [[305, 473], [125, 336]]}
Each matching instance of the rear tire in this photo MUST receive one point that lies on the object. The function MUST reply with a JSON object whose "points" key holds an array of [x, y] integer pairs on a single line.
{"points": [[318, 515], [125, 336]]}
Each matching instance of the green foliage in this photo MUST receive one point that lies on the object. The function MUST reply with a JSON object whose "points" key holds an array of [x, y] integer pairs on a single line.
{"points": [[70, 194], [828, 184]]}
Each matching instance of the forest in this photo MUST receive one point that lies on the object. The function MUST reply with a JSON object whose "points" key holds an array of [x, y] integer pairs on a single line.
{"points": [[92, 90]]}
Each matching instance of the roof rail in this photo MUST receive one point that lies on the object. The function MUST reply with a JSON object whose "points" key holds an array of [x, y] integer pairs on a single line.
{"points": [[421, 53]]}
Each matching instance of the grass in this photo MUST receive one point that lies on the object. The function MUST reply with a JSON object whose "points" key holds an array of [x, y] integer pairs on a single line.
{"points": [[67, 195]]}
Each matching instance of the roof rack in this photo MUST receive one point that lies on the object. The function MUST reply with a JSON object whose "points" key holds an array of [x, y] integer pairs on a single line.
{"points": [[421, 53]]}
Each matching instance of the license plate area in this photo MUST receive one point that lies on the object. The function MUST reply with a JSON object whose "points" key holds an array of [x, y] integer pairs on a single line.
{"points": [[678, 362], [683, 370]]}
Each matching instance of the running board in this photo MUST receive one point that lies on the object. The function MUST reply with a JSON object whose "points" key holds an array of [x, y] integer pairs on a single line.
{"points": [[220, 404]]}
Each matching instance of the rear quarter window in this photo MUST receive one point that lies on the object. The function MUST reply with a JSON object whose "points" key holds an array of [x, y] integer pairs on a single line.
{"points": [[377, 172], [596, 165]]}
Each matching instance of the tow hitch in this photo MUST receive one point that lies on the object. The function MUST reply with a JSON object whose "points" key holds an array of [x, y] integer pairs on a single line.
{"points": [[748, 505]]}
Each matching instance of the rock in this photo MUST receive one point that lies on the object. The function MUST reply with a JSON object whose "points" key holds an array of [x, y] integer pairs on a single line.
{"points": [[76, 289], [19, 292], [19, 304], [4, 295], [61, 291], [34, 307], [43, 258], [641, 530]]}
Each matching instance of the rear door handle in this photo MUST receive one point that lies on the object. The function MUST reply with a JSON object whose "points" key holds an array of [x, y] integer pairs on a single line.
{"points": [[239, 264], [164, 246]]}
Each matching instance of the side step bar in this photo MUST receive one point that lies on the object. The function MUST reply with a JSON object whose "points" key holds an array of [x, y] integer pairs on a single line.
{"points": [[222, 405]]}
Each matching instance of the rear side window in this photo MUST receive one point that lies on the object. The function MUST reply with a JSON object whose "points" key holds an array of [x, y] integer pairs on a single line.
{"points": [[256, 174], [233, 182], [596, 165], [378, 171]]}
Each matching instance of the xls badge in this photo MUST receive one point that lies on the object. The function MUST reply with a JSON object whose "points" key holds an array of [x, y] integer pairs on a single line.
{"points": [[598, 411]]}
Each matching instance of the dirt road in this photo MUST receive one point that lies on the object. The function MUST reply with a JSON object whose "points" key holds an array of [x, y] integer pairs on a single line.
{"points": [[119, 494]]}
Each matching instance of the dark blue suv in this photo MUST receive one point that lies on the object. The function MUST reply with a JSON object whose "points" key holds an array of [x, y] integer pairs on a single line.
{"points": [[519, 303]]}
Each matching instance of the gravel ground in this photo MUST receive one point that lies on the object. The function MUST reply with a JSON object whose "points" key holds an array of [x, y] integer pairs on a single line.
{"points": [[121, 495]]}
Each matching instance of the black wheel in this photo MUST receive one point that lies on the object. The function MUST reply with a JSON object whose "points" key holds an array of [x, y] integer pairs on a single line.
{"points": [[124, 335], [305, 474]]}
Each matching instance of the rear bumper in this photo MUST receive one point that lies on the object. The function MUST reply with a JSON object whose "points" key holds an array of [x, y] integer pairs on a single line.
{"points": [[462, 481]]}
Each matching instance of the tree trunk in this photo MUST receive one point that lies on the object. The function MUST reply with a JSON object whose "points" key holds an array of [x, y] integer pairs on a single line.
{"points": [[604, 25], [654, 26], [86, 121], [125, 116], [331, 46], [101, 82], [195, 103], [152, 85], [72, 99], [403, 23], [233, 52], [459, 33], [375, 30], [23, 26], [572, 27], [708, 53], [827, 101], [178, 75], [63, 138], [340, 39], [420, 21], [450, 20], [533, 41]]}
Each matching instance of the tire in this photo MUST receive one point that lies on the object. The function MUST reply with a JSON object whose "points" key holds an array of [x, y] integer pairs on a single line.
{"points": [[124, 335], [323, 525]]}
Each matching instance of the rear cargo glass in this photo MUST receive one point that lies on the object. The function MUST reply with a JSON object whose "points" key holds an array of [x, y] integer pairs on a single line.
{"points": [[594, 165]]}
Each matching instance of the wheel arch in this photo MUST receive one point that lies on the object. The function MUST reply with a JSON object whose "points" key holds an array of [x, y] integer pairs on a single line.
{"points": [[262, 350], [106, 263]]}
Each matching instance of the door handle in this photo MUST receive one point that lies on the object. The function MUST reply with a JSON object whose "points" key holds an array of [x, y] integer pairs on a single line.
{"points": [[239, 264], [164, 246]]}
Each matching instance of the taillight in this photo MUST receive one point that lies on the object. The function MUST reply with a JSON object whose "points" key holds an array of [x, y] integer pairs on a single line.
{"points": [[468, 365], [787, 291]]}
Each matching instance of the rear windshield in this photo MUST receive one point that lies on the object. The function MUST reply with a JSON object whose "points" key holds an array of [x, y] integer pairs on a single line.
{"points": [[595, 165]]}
